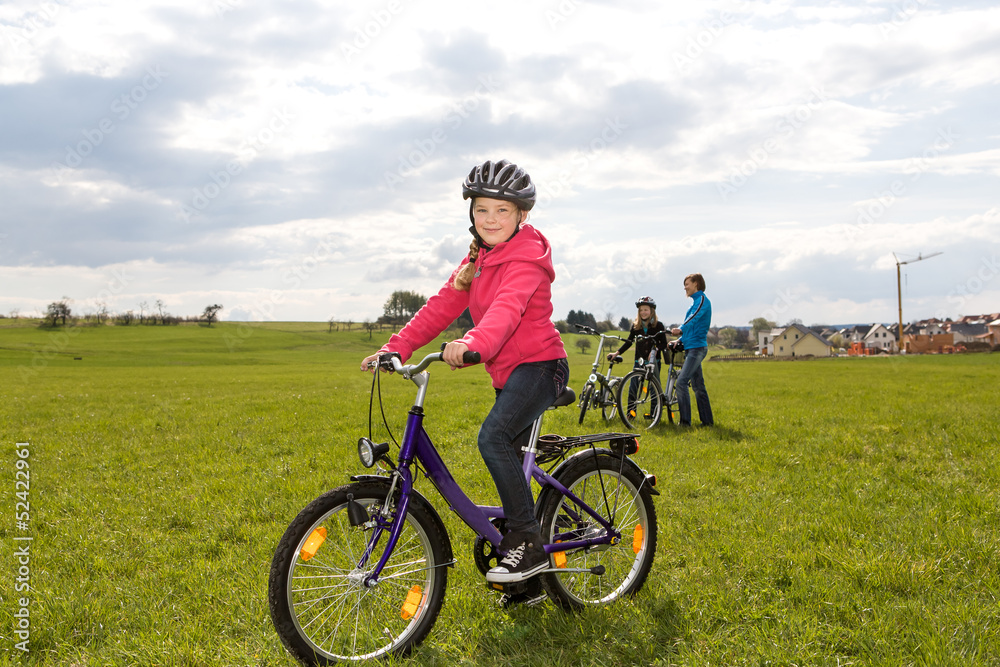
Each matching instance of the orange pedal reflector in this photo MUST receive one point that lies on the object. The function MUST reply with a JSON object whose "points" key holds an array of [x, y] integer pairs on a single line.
{"points": [[313, 544], [412, 602], [560, 558], [637, 535]]}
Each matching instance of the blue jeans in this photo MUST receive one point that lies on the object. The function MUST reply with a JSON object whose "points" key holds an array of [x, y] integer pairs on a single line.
{"points": [[691, 375], [529, 390]]}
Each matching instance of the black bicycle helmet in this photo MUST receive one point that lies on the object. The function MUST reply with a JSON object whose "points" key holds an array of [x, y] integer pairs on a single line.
{"points": [[500, 180], [646, 301]]}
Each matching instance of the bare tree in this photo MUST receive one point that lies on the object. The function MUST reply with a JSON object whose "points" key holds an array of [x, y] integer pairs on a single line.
{"points": [[211, 313], [332, 321], [369, 327], [159, 308]]}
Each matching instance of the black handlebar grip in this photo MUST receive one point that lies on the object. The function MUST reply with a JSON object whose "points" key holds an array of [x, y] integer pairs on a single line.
{"points": [[469, 357]]}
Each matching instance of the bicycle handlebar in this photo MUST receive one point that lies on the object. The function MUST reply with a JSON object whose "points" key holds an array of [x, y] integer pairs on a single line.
{"points": [[409, 370], [590, 331]]}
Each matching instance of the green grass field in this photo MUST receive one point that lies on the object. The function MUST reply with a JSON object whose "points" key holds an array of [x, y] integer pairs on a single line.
{"points": [[843, 511]]}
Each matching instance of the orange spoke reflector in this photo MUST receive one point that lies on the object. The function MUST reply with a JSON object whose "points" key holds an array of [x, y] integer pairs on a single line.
{"points": [[559, 557], [637, 536], [412, 602], [313, 544]]}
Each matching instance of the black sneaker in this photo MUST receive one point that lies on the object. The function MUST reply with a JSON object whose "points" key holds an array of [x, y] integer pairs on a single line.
{"points": [[524, 560]]}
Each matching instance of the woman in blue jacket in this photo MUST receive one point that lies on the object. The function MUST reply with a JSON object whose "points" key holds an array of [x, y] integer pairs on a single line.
{"points": [[694, 338]]}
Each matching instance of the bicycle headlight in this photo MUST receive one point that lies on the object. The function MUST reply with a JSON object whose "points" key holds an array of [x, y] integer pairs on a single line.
{"points": [[370, 452]]}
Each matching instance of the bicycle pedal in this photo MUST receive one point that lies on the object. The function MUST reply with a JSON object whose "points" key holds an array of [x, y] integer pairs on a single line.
{"points": [[514, 588]]}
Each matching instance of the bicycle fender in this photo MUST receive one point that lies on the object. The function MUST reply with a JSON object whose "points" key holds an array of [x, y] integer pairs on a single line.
{"points": [[418, 498]]}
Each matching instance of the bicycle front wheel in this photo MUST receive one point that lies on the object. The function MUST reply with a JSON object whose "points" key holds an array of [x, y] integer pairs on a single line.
{"points": [[619, 494], [320, 605], [609, 405], [640, 401], [585, 398]]}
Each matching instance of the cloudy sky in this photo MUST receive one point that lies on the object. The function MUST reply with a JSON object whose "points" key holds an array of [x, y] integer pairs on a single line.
{"points": [[302, 160]]}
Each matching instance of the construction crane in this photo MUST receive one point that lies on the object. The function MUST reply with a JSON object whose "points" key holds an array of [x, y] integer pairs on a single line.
{"points": [[899, 292]]}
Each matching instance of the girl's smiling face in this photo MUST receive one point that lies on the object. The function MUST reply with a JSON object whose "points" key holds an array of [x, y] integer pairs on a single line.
{"points": [[496, 220], [645, 312]]}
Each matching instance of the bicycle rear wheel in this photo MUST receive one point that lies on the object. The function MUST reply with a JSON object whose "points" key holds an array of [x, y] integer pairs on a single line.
{"points": [[640, 402], [619, 494], [320, 605]]}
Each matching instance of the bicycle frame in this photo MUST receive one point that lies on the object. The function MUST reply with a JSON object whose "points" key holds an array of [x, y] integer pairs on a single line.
{"points": [[673, 370], [598, 360], [417, 445], [597, 378]]}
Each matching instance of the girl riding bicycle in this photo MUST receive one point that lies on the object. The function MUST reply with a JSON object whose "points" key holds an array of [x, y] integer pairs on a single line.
{"points": [[505, 282]]}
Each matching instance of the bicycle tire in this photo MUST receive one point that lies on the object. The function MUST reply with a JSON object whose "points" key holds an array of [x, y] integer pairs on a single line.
{"points": [[320, 607], [645, 409], [670, 397], [609, 406], [610, 489], [585, 396]]}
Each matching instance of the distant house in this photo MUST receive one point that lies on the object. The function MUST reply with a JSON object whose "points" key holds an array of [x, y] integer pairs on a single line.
{"points": [[979, 319], [969, 332], [796, 340], [924, 343], [855, 334], [993, 338], [765, 340], [879, 337], [932, 328], [827, 333]]}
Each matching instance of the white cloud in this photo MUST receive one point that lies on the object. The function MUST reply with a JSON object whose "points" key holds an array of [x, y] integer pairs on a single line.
{"points": [[346, 128]]}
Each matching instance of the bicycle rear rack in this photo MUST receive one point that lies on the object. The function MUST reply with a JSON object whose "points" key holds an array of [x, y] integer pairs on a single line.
{"points": [[552, 447]]}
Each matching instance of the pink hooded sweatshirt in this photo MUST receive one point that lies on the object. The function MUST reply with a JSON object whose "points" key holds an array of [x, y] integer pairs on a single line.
{"points": [[510, 301]]}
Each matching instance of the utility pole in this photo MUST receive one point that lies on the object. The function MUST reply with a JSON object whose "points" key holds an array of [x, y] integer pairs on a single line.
{"points": [[899, 294]]}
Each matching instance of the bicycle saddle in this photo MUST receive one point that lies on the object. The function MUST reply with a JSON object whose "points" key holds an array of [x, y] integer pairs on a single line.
{"points": [[567, 397]]}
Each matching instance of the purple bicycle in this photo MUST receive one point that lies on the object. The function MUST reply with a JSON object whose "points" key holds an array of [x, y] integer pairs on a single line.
{"points": [[361, 572]]}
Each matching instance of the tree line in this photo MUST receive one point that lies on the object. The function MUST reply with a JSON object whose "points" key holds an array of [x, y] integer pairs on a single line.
{"points": [[397, 310], [60, 313]]}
